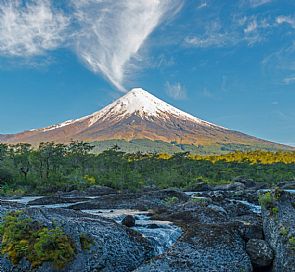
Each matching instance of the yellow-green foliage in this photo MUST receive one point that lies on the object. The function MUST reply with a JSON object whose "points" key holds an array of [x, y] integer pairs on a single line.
{"points": [[253, 157], [284, 231], [266, 200], [24, 238], [292, 242], [171, 200], [90, 180], [86, 241]]}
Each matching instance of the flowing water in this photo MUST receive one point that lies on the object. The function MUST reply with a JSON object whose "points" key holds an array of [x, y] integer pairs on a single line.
{"points": [[162, 234]]}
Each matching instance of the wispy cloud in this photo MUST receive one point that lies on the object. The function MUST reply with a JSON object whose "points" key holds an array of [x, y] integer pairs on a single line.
{"points": [[106, 35], [257, 3], [176, 90], [30, 29], [213, 39], [203, 5], [289, 80], [286, 20], [112, 33]]}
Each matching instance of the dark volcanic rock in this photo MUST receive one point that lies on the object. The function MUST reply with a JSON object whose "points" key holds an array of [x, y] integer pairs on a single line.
{"points": [[235, 186], [128, 221], [49, 200], [97, 190], [114, 248], [204, 248], [260, 252], [279, 230], [148, 200]]}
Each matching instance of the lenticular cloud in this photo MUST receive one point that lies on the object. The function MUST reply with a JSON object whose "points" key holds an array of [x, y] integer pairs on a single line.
{"points": [[106, 35]]}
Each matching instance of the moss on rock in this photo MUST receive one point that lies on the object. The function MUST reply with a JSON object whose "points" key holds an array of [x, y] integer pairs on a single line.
{"points": [[22, 237]]}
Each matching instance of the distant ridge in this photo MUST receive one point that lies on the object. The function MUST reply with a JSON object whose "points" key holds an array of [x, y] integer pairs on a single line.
{"points": [[140, 115]]}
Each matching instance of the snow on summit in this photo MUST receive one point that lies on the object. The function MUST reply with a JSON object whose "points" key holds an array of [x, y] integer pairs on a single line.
{"points": [[141, 103]]}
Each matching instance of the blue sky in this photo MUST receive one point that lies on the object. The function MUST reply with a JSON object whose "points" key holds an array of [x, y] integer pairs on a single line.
{"points": [[228, 62]]}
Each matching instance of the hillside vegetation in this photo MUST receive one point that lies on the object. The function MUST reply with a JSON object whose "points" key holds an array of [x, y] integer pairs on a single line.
{"points": [[57, 167]]}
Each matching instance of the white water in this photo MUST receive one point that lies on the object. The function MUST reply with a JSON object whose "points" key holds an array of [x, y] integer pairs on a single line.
{"points": [[162, 234]]}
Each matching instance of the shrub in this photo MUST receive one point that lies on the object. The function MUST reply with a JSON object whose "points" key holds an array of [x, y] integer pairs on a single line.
{"points": [[86, 241], [171, 200], [199, 199], [284, 231], [292, 242], [90, 180], [266, 200], [24, 238]]}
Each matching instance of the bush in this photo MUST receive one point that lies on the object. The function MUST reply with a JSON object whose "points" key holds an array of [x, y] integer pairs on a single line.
{"points": [[266, 200], [86, 241], [171, 200], [24, 238], [292, 242]]}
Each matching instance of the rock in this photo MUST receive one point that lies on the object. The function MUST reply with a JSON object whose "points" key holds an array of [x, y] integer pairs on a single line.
{"points": [[217, 209], [203, 248], [128, 221], [246, 181], [50, 200], [236, 186], [97, 190], [279, 229], [288, 185], [146, 201], [114, 247], [260, 252], [250, 226], [199, 187]]}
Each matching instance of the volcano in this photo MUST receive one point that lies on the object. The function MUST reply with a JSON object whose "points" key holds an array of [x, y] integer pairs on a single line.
{"points": [[140, 115]]}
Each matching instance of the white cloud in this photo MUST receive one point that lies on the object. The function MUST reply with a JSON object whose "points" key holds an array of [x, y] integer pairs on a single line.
{"points": [[176, 90], [106, 35], [252, 26], [289, 80], [257, 3], [203, 5], [112, 33], [30, 29], [286, 20], [213, 39]]}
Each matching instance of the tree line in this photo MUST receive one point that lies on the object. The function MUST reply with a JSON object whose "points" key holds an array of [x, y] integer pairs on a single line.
{"points": [[58, 167]]}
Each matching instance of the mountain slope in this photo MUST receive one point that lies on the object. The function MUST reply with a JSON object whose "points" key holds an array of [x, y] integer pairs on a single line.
{"points": [[139, 115]]}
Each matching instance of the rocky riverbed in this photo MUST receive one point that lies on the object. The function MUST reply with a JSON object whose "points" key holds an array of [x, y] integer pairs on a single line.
{"points": [[218, 229]]}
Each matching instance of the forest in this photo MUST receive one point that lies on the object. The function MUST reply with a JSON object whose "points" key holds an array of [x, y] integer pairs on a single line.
{"points": [[58, 167]]}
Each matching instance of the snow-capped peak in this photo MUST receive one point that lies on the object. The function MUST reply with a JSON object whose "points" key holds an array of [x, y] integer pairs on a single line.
{"points": [[141, 103], [136, 102]]}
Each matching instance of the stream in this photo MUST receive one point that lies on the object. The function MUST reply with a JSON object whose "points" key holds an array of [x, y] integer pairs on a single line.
{"points": [[162, 234]]}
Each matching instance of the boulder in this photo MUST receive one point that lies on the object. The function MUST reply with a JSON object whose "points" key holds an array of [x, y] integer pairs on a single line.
{"points": [[260, 252], [128, 221], [97, 190], [203, 248], [246, 181], [113, 247], [235, 186], [278, 213]]}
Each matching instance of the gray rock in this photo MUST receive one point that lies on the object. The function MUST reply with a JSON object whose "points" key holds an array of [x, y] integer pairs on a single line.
{"points": [[217, 209], [279, 230], [128, 221], [235, 186], [115, 248], [97, 190], [260, 252], [204, 248]]}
